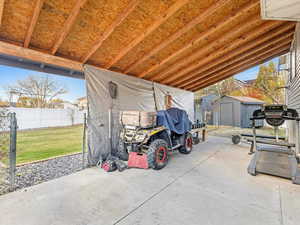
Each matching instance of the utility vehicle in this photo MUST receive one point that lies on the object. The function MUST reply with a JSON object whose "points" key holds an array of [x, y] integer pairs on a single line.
{"points": [[150, 142]]}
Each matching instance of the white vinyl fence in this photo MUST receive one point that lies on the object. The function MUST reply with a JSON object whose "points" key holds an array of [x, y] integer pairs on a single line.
{"points": [[31, 118]]}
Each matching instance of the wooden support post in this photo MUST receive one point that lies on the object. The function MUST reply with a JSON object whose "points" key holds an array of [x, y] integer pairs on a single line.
{"points": [[12, 151]]}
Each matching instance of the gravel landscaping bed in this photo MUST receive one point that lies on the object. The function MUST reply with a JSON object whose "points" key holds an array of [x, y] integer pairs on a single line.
{"points": [[38, 172], [3, 180]]}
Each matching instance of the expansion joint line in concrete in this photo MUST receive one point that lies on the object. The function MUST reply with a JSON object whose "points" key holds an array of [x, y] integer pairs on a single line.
{"points": [[280, 205], [165, 187]]}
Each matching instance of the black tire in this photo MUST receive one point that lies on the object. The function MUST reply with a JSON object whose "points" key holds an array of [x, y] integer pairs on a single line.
{"points": [[122, 152], [157, 154], [188, 144], [236, 139]]}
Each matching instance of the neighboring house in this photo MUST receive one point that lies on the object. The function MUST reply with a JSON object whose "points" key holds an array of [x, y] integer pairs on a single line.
{"points": [[63, 105], [82, 103], [69, 105], [240, 83], [249, 83], [235, 111]]}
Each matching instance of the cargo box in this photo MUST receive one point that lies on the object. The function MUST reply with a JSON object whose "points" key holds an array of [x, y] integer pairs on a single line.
{"points": [[138, 118]]}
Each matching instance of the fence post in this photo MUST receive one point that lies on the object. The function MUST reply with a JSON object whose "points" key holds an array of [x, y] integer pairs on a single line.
{"points": [[84, 141], [12, 150]]}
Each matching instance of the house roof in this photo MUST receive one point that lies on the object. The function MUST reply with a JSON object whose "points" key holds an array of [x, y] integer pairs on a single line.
{"points": [[244, 99], [250, 82], [189, 44], [81, 98]]}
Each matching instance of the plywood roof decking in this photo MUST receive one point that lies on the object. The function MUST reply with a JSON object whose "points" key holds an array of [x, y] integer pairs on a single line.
{"points": [[183, 43]]}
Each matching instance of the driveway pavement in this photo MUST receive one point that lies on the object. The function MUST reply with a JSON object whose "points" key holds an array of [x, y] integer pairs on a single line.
{"points": [[208, 187]]}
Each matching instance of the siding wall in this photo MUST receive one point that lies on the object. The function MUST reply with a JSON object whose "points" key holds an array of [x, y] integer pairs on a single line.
{"points": [[236, 111], [293, 93]]}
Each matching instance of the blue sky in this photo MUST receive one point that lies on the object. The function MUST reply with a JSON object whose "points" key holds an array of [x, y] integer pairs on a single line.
{"points": [[76, 87], [252, 72]]}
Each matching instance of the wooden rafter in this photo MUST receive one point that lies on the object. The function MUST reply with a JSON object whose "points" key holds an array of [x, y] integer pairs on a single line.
{"points": [[239, 70], [2, 2], [195, 60], [202, 36], [272, 36], [120, 18], [34, 19], [187, 64], [173, 9], [68, 25], [242, 56], [262, 54], [212, 9], [33, 55], [240, 60], [252, 58]]}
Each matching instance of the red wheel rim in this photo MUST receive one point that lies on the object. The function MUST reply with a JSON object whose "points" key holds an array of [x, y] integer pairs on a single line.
{"points": [[161, 154], [189, 143]]}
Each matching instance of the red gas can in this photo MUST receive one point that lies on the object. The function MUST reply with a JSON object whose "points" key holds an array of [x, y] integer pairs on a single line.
{"points": [[137, 160]]}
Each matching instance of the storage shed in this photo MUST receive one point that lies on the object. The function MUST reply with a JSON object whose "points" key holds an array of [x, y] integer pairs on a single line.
{"points": [[235, 111]]}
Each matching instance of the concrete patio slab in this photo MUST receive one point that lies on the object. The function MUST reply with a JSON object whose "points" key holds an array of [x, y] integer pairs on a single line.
{"points": [[209, 186]]}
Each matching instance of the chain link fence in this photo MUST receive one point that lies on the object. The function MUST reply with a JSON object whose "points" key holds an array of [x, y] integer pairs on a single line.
{"points": [[7, 150], [29, 157]]}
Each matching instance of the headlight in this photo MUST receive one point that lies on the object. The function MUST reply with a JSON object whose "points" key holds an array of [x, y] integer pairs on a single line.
{"points": [[140, 136]]}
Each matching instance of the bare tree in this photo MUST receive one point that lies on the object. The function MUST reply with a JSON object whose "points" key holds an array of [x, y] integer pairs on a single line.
{"points": [[41, 90]]}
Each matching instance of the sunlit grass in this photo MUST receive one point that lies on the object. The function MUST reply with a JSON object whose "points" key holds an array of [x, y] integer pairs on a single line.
{"points": [[46, 143]]}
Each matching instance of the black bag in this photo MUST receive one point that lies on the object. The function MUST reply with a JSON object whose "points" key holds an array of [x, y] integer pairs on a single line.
{"points": [[120, 165]]}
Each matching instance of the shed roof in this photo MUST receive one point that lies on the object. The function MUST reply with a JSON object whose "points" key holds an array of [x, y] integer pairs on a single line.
{"points": [[188, 44], [246, 99]]}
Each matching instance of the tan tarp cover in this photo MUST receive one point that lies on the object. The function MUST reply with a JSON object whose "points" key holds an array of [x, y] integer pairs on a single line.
{"points": [[132, 94]]}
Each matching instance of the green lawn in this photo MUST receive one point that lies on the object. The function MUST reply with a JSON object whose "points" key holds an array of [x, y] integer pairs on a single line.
{"points": [[45, 143]]}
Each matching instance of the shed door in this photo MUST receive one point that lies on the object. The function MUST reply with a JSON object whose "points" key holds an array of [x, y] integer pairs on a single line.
{"points": [[247, 112], [226, 114]]}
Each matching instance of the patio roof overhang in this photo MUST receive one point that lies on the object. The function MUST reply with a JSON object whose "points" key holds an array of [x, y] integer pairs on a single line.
{"points": [[189, 44]]}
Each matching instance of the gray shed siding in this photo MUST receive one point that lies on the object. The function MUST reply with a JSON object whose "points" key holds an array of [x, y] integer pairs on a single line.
{"points": [[232, 112], [247, 112], [293, 92], [226, 112]]}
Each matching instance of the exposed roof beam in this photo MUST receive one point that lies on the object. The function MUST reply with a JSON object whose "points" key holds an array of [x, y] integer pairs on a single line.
{"points": [[2, 2], [254, 57], [67, 26], [212, 9], [241, 69], [185, 72], [264, 40], [203, 35], [26, 53], [262, 54], [170, 12], [243, 56], [34, 19], [240, 60], [188, 64], [120, 18]]}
